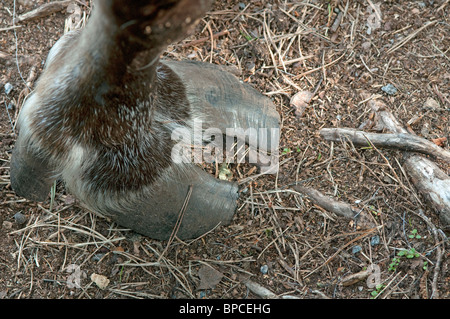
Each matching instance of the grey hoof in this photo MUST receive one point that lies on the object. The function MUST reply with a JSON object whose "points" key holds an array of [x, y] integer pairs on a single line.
{"points": [[185, 204]]}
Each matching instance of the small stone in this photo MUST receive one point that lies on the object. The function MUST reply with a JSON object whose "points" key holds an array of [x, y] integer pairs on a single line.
{"points": [[20, 218], [264, 269], [375, 240], [389, 89], [356, 249], [8, 88]]}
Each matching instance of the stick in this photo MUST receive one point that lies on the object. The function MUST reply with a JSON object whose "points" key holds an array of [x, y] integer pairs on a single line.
{"points": [[44, 10], [10, 28], [4, 55], [439, 253], [204, 39], [401, 141], [260, 290], [339, 208], [327, 203], [409, 37], [178, 222]]}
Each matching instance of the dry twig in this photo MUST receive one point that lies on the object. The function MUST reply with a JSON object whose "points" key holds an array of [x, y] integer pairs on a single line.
{"points": [[204, 39], [409, 37], [337, 207], [44, 10]]}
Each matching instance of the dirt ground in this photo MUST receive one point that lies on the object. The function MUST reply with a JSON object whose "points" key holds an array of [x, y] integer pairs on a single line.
{"points": [[345, 53]]}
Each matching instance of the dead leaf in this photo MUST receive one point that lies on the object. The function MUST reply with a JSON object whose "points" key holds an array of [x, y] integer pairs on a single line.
{"points": [[118, 249], [209, 277], [301, 101], [431, 104], [69, 200], [101, 281], [439, 141], [375, 17]]}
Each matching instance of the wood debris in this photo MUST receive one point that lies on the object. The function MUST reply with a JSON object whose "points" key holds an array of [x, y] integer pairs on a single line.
{"points": [[44, 10]]}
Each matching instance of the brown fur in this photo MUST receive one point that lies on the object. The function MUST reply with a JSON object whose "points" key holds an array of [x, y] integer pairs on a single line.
{"points": [[92, 93]]}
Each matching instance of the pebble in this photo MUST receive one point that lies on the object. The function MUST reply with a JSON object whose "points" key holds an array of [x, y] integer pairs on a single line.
{"points": [[8, 88], [264, 269], [356, 249], [20, 218], [389, 89], [375, 240]]}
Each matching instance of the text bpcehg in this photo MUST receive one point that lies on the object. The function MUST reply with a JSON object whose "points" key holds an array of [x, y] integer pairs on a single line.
{"points": [[226, 308]]}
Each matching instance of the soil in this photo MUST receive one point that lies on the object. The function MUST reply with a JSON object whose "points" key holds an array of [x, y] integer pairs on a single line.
{"points": [[278, 238]]}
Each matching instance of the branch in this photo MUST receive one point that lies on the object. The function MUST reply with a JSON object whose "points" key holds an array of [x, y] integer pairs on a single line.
{"points": [[401, 141], [339, 208], [204, 39], [44, 10]]}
